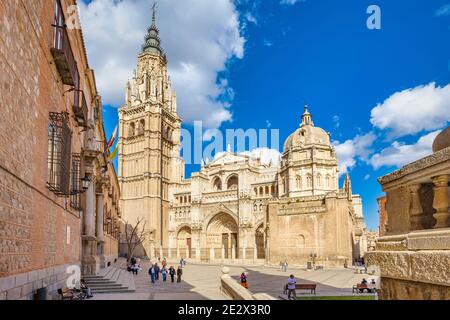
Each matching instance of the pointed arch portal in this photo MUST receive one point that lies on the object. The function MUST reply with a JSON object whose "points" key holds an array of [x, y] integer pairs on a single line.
{"points": [[222, 232]]}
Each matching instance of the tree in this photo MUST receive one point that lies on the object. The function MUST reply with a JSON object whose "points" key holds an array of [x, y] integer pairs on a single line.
{"points": [[136, 235]]}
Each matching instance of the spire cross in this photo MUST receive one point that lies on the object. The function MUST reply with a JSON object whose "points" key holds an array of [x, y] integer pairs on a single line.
{"points": [[154, 7]]}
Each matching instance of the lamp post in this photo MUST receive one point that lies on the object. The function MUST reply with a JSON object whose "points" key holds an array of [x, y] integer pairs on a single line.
{"points": [[85, 182], [313, 257]]}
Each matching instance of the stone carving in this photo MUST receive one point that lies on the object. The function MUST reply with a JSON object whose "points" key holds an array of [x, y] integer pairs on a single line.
{"points": [[434, 159]]}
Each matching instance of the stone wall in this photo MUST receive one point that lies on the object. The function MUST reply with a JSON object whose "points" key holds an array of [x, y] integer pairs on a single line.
{"points": [[321, 226], [235, 291], [413, 266], [39, 232], [23, 286], [396, 289]]}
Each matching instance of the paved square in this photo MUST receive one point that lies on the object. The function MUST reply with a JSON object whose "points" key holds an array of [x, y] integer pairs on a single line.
{"points": [[203, 282]]}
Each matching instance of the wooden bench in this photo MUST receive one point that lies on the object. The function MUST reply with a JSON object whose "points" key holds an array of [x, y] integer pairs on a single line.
{"points": [[310, 286], [359, 288], [68, 294]]}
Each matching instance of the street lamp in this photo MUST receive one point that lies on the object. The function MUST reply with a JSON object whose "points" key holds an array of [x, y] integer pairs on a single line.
{"points": [[85, 183], [313, 258]]}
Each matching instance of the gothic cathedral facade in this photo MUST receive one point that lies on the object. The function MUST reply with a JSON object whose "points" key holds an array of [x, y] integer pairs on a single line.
{"points": [[149, 142], [236, 208]]}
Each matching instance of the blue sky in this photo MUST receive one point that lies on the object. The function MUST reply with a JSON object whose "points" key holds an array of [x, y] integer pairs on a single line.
{"points": [[320, 52]]}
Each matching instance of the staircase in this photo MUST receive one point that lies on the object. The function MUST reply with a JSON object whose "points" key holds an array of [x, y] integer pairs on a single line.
{"points": [[111, 280]]}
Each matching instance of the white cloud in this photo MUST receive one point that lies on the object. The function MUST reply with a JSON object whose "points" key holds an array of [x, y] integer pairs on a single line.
{"points": [[400, 154], [336, 121], [349, 152], [267, 43], [199, 39], [290, 2], [423, 108], [443, 11], [267, 156], [251, 18]]}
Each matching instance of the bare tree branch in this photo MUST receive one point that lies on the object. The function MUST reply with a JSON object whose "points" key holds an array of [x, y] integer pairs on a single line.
{"points": [[137, 236]]}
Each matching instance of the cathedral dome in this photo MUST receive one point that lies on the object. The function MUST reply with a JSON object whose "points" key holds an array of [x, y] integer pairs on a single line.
{"points": [[307, 134], [442, 141]]}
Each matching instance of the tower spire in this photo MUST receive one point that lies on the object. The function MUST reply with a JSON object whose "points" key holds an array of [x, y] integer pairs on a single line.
{"points": [[307, 117], [152, 41]]}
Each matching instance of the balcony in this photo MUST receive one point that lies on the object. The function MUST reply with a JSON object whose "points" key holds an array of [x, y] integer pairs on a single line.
{"points": [[64, 58], [80, 108]]}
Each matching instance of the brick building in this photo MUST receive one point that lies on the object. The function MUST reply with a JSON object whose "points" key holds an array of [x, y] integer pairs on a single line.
{"points": [[56, 187]]}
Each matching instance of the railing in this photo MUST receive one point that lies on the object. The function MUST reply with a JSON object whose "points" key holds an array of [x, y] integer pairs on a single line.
{"points": [[64, 58]]}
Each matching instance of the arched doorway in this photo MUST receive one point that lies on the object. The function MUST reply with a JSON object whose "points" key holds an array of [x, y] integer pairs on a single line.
{"points": [[260, 242], [222, 233], [184, 241], [233, 182]]}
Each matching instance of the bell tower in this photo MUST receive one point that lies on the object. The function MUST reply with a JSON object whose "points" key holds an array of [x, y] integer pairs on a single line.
{"points": [[149, 143]]}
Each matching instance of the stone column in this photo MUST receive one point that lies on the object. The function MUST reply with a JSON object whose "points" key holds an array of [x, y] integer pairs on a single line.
{"points": [[416, 211], [99, 231], [89, 212], [197, 252], [99, 222], [441, 201], [211, 254]]}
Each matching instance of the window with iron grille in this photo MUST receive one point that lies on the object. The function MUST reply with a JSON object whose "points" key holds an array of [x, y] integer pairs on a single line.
{"points": [[75, 185], [59, 154], [58, 25]]}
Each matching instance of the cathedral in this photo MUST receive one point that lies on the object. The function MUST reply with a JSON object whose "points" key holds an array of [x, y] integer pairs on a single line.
{"points": [[236, 209]]}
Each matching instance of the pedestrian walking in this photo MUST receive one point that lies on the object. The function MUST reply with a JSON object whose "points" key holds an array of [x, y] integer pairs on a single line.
{"points": [[135, 269], [152, 274], [179, 274], [285, 265], [157, 270], [244, 281], [164, 274], [172, 274], [291, 287]]}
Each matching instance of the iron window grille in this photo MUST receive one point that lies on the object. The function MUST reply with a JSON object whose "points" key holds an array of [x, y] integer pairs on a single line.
{"points": [[59, 154], [76, 187]]}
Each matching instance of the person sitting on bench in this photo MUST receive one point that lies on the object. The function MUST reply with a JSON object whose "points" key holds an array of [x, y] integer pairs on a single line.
{"points": [[85, 289]]}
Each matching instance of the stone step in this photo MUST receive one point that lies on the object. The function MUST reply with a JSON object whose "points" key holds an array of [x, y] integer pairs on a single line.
{"points": [[99, 281], [106, 285], [124, 290], [92, 277], [112, 288]]}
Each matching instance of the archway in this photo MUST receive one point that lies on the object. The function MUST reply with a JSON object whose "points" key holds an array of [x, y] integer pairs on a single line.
{"points": [[217, 184], [184, 241], [233, 182], [260, 242], [222, 234]]}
